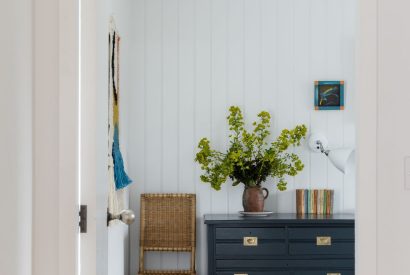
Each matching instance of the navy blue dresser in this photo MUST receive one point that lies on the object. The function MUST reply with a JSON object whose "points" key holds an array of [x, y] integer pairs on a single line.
{"points": [[280, 244]]}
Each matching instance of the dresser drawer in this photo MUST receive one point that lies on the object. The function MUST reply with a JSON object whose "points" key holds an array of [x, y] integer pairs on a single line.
{"points": [[239, 233], [321, 241], [328, 272], [253, 273], [263, 248], [311, 233], [251, 264], [309, 248], [317, 264]]}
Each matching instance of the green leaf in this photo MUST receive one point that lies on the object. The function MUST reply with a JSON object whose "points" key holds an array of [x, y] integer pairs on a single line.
{"points": [[235, 183]]}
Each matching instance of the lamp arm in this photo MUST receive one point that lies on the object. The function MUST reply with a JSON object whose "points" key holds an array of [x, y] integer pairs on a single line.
{"points": [[326, 152]]}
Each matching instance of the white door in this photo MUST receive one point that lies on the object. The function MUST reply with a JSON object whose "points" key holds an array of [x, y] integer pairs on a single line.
{"points": [[103, 250], [93, 146], [94, 243]]}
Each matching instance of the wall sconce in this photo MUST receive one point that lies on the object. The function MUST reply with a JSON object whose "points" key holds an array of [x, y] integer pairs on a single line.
{"points": [[338, 157]]}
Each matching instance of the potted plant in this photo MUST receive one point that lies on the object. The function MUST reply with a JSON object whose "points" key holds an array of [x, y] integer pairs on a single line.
{"points": [[250, 158]]}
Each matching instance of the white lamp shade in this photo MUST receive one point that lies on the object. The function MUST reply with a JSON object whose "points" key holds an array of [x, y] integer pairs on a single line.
{"points": [[340, 158]]}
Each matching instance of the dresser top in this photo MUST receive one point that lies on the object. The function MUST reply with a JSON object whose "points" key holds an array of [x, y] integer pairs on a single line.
{"points": [[280, 218]]}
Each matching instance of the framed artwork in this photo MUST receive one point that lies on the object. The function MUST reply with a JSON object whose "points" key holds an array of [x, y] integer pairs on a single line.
{"points": [[329, 95]]}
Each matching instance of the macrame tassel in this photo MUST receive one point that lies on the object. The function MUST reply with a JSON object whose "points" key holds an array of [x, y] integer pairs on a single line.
{"points": [[121, 178]]}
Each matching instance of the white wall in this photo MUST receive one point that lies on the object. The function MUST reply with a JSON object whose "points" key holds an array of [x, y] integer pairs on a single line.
{"points": [[196, 58], [16, 135]]}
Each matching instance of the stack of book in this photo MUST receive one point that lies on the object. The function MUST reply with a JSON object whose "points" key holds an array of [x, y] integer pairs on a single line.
{"points": [[314, 201]]}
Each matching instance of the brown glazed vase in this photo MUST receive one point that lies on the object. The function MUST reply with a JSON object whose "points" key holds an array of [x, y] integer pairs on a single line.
{"points": [[253, 199]]}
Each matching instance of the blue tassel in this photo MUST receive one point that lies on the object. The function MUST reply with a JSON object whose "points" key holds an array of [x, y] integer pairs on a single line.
{"points": [[121, 178]]}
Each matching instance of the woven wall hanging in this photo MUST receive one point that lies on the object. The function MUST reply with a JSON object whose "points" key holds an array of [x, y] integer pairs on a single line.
{"points": [[118, 178]]}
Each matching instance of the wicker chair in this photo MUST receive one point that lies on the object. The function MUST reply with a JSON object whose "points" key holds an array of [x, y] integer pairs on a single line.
{"points": [[167, 224]]}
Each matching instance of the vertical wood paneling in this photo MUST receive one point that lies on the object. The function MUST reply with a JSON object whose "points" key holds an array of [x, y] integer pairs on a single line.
{"points": [[153, 94], [203, 111], [186, 72], [335, 118], [196, 58], [268, 52], [269, 73], [252, 61], [219, 200], [169, 102], [235, 58], [348, 62], [136, 120], [285, 89], [317, 71], [252, 58], [170, 96], [302, 95], [153, 98], [235, 73], [186, 95]]}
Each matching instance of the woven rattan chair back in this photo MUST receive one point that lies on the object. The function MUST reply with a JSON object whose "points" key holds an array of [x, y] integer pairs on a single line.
{"points": [[167, 223]]}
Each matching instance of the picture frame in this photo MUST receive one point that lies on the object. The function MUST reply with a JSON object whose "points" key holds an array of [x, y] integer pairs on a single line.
{"points": [[329, 95]]}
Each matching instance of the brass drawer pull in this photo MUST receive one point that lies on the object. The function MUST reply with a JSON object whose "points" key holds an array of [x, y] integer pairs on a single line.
{"points": [[334, 273], [247, 274], [325, 240], [250, 241]]}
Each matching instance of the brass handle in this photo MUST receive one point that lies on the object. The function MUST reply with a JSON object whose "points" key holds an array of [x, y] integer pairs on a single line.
{"points": [[246, 274], [325, 240], [250, 241], [334, 273]]}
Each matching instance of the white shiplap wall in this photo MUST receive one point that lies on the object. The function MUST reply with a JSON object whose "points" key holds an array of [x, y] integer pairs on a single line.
{"points": [[193, 59]]}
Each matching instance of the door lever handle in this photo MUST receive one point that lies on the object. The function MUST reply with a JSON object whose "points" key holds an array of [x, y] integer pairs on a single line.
{"points": [[127, 216]]}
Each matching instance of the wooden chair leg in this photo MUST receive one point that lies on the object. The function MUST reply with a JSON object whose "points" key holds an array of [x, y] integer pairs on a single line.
{"points": [[193, 260], [141, 271]]}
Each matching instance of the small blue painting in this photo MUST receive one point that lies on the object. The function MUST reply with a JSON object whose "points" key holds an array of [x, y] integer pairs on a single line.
{"points": [[329, 95]]}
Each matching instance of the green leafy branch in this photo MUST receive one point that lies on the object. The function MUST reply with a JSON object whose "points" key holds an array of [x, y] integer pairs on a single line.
{"points": [[251, 159]]}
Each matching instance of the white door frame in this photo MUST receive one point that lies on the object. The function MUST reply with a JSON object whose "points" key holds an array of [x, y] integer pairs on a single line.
{"points": [[55, 133], [55, 137], [366, 123]]}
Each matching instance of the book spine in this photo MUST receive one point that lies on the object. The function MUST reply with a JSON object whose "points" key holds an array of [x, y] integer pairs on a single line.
{"points": [[305, 202], [328, 203], [332, 197], [299, 200], [324, 201], [320, 202], [312, 201], [315, 202]]}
